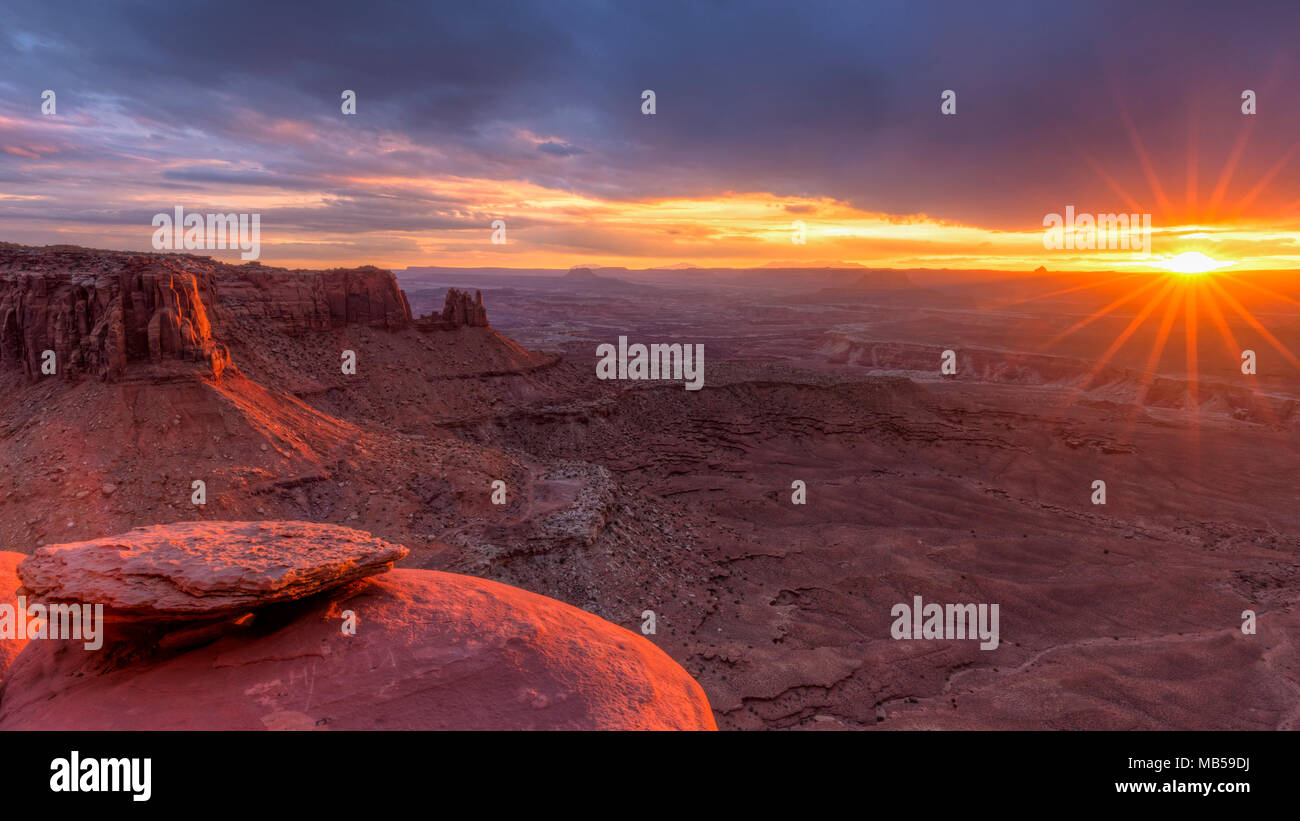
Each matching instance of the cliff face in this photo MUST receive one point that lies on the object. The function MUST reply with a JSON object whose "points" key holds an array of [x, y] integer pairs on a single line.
{"points": [[98, 316], [100, 311], [298, 301]]}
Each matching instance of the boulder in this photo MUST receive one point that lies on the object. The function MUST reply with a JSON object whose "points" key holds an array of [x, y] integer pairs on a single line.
{"points": [[203, 570]]}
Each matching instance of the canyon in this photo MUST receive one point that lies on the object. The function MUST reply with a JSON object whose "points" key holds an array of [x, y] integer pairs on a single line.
{"points": [[627, 496]]}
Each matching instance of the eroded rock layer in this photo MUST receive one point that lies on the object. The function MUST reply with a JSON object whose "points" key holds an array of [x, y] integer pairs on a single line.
{"points": [[80, 312]]}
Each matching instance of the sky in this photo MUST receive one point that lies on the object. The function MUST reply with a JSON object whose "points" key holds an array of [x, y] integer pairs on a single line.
{"points": [[828, 114]]}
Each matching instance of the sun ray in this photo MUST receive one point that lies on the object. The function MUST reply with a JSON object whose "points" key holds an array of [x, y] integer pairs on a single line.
{"points": [[1234, 348], [1144, 160], [1072, 289], [1098, 314], [1193, 166], [1157, 349], [1229, 168], [1263, 182], [1148, 375], [1256, 324], [1084, 382], [1221, 323], [1192, 355], [1129, 201], [1133, 325], [1088, 285], [1261, 289]]}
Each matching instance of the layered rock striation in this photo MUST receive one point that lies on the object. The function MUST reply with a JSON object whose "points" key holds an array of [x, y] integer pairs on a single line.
{"points": [[96, 315], [100, 312]]}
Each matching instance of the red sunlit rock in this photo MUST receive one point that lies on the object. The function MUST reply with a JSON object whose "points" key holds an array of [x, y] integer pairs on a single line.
{"points": [[9, 648], [431, 650], [204, 569]]}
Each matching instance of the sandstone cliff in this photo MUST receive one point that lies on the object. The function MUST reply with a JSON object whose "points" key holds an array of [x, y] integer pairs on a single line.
{"points": [[98, 314], [100, 311]]}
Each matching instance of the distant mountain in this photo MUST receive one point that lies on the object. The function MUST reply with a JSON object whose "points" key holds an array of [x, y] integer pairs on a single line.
{"points": [[602, 279], [883, 279], [817, 263]]}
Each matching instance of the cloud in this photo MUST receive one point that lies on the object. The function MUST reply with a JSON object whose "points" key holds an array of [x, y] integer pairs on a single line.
{"points": [[559, 149], [819, 102]]}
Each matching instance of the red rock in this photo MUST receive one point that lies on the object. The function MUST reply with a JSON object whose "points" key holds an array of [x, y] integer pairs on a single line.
{"points": [[100, 311], [9, 648], [432, 651], [461, 309], [98, 314], [298, 301], [204, 569]]}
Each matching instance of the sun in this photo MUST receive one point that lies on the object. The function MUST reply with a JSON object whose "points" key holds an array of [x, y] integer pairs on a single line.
{"points": [[1191, 263]]}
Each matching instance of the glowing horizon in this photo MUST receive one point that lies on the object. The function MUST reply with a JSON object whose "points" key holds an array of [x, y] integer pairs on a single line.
{"points": [[731, 230]]}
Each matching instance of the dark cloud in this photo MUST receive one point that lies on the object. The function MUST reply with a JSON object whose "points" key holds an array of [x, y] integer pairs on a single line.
{"points": [[228, 177], [829, 99], [559, 149]]}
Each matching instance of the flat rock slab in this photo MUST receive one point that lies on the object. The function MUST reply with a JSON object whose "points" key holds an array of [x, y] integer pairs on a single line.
{"points": [[199, 570]]}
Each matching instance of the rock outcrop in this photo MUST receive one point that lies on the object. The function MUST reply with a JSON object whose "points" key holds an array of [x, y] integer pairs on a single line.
{"points": [[299, 301], [97, 314], [462, 309], [9, 647], [429, 651], [100, 311], [204, 569]]}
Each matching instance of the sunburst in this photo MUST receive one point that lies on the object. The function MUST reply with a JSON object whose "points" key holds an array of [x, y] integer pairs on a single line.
{"points": [[1195, 284], [1191, 263]]}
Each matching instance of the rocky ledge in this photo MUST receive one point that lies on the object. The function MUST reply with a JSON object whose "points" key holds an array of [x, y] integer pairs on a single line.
{"points": [[324, 646]]}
